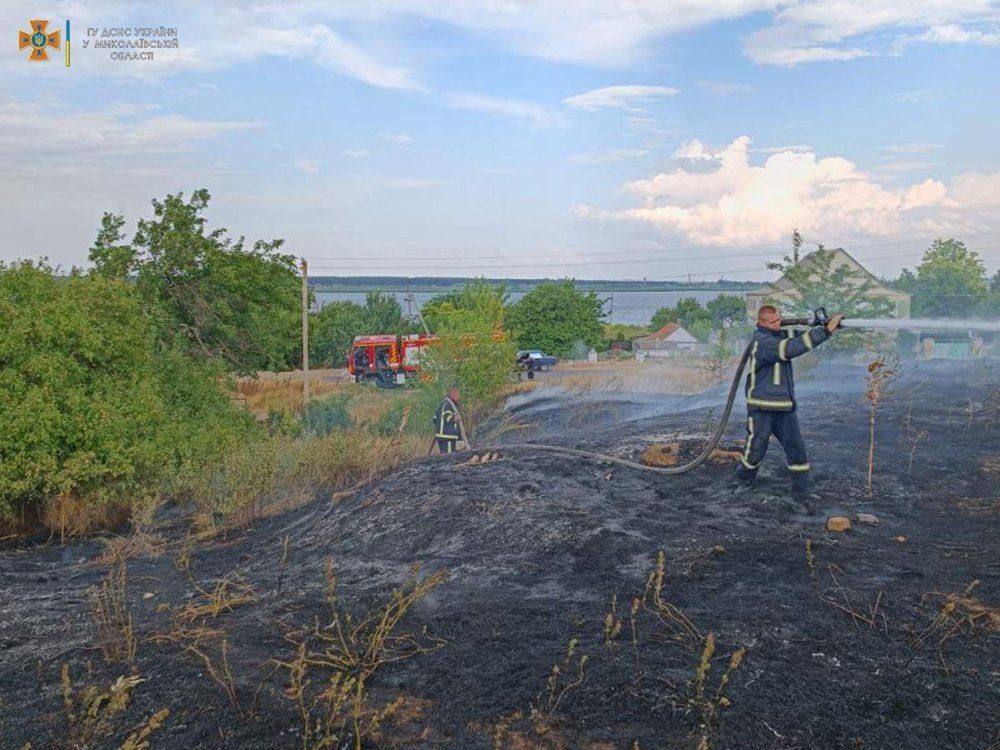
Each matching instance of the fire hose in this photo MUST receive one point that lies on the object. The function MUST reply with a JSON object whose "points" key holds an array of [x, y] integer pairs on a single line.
{"points": [[819, 318]]}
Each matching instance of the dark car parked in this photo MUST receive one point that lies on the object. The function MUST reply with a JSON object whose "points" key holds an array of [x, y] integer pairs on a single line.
{"points": [[539, 360]]}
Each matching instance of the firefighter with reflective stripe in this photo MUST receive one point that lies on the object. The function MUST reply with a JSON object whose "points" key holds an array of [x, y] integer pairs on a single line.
{"points": [[770, 393], [448, 423]]}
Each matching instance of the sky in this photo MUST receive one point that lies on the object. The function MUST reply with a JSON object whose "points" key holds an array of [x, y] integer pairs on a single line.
{"points": [[595, 139]]}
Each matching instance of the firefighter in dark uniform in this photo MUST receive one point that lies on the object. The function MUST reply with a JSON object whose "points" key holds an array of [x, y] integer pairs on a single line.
{"points": [[770, 393], [448, 423]]}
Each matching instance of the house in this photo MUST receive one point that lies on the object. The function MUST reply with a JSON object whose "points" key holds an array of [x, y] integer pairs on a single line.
{"points": [[666, 342], [783, 290]]}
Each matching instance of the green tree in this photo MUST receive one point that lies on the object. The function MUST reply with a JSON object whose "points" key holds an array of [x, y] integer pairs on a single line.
{"points": [[727, 310], [111, 255], [468, 297], [218, 297], [332, 331], [383, 314], [819, 283], [689, 313], [92, 407], [555, 316], [991, 305], [789, 261], [473, 351], [951, 281]]}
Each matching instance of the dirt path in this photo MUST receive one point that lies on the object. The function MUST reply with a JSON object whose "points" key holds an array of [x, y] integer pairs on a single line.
{"points": [[536, 546]]}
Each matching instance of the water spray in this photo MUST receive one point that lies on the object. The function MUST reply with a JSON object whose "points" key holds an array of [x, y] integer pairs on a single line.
{"points": [[818, 318]]}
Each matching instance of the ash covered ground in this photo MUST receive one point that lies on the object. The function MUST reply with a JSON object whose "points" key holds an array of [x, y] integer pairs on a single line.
{"points": [[850, 641]]}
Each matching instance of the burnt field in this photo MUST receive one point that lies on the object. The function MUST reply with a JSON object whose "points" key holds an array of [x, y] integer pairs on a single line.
{"points": [[559, 603]]}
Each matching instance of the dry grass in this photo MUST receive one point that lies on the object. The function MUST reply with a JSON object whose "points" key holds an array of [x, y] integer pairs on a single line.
{"points": [[710, 704], [259, 479], [92, 712], [113, 617], [139, 739], [959, 613], [881, 372], [70, 516], [118, 550], [670, 616], [229, 592], [283, 391], [332, 665]]}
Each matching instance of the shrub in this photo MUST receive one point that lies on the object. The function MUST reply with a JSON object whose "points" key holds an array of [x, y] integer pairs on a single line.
{"points": [[473, 352], [556, 316], [94, 412]]}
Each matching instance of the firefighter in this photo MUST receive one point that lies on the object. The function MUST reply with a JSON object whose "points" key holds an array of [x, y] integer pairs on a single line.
{"points": [[770, 393], [525, 364], [448, 423]]}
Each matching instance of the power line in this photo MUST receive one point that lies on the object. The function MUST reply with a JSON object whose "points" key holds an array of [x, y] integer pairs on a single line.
{"points": [[512, 263], [779, 246]]}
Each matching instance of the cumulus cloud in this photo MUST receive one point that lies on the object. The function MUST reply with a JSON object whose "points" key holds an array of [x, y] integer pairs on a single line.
{"points": [[716, 196], [618, 97]]}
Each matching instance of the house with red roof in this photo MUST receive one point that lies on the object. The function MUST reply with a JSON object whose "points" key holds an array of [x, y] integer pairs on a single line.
{"points": [[667, 341]]}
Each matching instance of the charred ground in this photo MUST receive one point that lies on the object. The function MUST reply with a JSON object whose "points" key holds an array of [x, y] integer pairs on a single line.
{"points": [[536, 547]]}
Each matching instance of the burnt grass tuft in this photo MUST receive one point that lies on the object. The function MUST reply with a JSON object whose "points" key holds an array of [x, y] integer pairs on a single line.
{"points": [[849, 641]]}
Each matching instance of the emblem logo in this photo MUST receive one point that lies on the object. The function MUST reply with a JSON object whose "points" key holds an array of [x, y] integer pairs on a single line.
{"points": [[38, 39]]}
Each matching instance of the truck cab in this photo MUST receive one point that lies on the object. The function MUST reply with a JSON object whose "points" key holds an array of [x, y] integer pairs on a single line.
{"points": [[385, 358]]}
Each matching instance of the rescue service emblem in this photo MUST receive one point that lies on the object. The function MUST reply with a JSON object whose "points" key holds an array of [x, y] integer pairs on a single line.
{"points": [[38, 39]]}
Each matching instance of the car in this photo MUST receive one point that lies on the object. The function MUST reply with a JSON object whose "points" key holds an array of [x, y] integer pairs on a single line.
{"points": [[539, 360]]}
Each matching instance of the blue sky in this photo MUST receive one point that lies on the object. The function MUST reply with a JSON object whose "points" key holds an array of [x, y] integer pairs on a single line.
{"points": [[593, 139]]}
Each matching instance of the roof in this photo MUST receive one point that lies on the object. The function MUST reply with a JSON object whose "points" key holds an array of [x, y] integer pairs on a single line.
{"points": [[665, 333], [381, 338], [840, 258]]}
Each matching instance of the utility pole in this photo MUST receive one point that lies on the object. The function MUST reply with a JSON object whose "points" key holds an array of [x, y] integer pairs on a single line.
{"points": [[305, 333]]}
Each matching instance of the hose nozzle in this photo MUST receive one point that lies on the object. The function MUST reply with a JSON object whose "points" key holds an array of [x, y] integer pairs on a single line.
{"points": [[819, 318]]}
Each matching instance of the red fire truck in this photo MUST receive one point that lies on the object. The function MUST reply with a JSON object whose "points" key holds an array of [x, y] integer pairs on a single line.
{"points": [[385, 358]]}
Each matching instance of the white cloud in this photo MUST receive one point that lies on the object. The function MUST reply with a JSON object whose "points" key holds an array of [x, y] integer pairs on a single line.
{"points": [[717, 197], [399, 139], [534, 114], [309, 166], [952, 34], [779, 149], [607, 157], [618, 97], [356, 153], [810, 31], [78, 163], [364, 40]]}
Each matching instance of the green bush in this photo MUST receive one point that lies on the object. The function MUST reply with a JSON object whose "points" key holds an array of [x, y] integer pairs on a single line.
{"points": [[90, 406], [473, 352], [557, 316], [323, 417]]}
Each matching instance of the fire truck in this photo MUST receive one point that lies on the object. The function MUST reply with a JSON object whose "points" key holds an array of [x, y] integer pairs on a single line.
{"points": [[387, 359]]}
